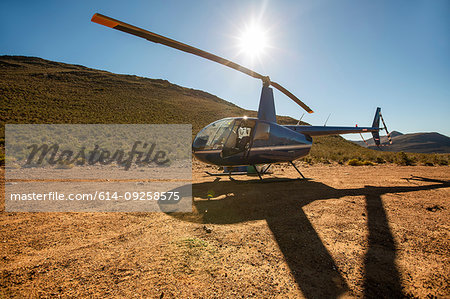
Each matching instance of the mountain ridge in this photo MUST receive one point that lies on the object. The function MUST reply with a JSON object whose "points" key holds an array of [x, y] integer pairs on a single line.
{"points": [[421, 142]]}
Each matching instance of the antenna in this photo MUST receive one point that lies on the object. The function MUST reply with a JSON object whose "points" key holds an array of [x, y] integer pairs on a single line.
{"points": [[327, 120], [298, 123]]}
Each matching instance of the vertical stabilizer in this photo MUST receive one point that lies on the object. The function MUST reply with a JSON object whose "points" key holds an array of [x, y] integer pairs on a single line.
{"points": [[376, 124], [376, 120], [266, 110]]}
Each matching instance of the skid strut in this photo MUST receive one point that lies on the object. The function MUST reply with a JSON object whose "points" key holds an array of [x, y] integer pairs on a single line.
{"points": [[266, 169], [292, 163], [254, 166]]}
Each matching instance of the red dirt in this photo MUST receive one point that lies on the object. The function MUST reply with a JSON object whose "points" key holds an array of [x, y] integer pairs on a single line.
{"points": [[348, 231]]}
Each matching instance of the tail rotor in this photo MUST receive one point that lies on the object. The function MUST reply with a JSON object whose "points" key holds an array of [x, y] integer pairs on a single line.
{"points": [[376, 124], [386, 130]]}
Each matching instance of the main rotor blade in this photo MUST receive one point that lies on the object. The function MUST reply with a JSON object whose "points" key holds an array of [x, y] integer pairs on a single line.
{"points": [[293, 97], [156, 38]]}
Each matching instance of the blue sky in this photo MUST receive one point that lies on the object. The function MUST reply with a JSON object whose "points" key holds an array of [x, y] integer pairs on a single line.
{"points": [[340, 57]]}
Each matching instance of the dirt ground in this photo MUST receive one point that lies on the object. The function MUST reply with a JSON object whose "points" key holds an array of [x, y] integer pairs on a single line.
{"points": [[369, 231]]}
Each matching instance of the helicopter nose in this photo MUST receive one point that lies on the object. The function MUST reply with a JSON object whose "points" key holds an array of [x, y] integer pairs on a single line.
{"points": [[196, 146], [199, 143], [194, 149]]}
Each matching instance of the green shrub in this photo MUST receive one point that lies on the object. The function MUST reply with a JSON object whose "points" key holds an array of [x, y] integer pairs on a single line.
{"points": [[443, 162], [403, 159], [380, 160], [308, 160], [355, 162], [325, 161], [64, 165]]}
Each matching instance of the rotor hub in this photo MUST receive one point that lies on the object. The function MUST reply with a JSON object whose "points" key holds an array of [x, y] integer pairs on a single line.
{"points": [[266, 81]]}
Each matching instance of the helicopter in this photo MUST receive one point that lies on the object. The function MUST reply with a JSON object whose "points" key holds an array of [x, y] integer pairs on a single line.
{"points": [[237, 142]]}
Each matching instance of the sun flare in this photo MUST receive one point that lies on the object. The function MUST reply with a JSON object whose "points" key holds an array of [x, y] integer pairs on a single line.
{"points": [[253, 41]]}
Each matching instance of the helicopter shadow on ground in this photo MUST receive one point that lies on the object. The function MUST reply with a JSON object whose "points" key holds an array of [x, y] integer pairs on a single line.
{"points": [[280, 203]]}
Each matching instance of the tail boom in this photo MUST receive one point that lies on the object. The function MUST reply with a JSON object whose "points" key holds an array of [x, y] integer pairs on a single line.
{"points": [[322, 130], [325, 130]]}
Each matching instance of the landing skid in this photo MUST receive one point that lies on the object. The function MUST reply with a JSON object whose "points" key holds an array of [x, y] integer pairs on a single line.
{"points": [[227, 173], [259, 173]]}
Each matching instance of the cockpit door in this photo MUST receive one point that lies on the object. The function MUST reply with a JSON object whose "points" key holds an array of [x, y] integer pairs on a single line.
{"points": [[239, 140]]}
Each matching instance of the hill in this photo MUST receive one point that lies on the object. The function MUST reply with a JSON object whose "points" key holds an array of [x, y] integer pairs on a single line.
{"points": [[413, 143], [35, 90]]}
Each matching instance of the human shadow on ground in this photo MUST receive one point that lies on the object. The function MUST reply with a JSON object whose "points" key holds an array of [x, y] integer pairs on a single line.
{"points": [[281, 202]]}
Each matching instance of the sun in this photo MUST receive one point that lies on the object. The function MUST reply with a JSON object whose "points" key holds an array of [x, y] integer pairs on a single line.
{"points": [[253, 41]]}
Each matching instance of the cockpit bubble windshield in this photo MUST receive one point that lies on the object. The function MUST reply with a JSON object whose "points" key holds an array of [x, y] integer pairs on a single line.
{"points": [[214, 135]]}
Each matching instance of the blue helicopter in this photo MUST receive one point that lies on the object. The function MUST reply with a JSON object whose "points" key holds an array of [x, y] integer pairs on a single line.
{"points": [[244, 141]]}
